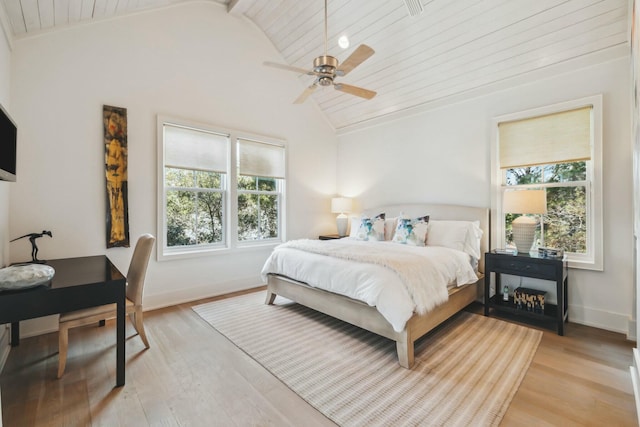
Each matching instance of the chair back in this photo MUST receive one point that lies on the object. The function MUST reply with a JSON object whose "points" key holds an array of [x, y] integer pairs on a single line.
{"points": [[138, 267]]}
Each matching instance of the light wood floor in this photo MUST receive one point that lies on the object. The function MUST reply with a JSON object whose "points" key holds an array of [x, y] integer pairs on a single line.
{"points": [[193, 376]]}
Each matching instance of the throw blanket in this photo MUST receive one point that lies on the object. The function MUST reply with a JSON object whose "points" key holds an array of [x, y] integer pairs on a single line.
{"points": [[422, 275]]}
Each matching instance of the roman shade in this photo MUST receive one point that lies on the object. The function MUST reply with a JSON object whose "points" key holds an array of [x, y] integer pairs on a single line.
{"points": [[187, 148], [261, 159], [554, 138]]}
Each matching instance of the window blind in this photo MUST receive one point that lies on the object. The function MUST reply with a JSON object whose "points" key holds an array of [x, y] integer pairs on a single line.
{"points": [[554, 138], [187, 148], [260, 159]]}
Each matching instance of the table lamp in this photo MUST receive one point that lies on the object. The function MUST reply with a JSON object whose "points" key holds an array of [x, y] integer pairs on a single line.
{"points": [[524, 227], [341, 205]]}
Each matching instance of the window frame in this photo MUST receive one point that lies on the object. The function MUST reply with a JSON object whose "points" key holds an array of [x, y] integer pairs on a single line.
{"points": [[230, 194], [593, 258]]}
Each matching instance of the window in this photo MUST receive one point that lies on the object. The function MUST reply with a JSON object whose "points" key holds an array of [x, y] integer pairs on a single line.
{"points": [[557, 149], [260, 179], [217, 189]]}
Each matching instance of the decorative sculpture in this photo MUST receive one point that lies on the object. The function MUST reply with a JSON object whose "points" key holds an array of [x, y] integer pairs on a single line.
{"points": [[34, 248]]}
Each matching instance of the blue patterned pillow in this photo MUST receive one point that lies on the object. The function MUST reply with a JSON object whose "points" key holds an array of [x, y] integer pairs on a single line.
{"points": [[411, 231], [371, 229]]}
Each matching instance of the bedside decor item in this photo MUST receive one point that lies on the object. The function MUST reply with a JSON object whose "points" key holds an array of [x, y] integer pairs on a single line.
{"points": [[34, 248], [341, 206], [524, 227], [115, 145], [529, 300], [25, 276], [553, 253]]}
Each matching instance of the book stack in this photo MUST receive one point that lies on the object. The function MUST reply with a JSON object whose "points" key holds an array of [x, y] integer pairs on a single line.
{"points": [[550, 253]]}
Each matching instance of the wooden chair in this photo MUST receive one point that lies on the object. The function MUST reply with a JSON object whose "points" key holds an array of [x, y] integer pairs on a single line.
{"points": [[135, 284]]}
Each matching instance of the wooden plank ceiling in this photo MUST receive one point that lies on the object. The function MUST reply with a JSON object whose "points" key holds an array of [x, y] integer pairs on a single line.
{"points": [[450, 48]]}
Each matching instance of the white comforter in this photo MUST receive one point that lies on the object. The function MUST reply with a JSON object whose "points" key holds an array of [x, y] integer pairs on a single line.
{"points": [[396, 279]]}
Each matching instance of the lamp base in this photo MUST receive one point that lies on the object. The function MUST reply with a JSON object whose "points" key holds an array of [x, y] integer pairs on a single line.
{"points": [[524, 232], [342, 221]]}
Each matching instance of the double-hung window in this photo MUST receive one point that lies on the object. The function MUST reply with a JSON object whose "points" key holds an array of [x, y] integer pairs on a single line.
{"points": [[261, 169], [556, 149], [218, 189]]}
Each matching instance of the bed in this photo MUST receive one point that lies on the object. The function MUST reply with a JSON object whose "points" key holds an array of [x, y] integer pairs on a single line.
{"points": [[303, 290]]}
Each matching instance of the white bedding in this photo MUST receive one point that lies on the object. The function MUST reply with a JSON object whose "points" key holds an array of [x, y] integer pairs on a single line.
{"points": [[356, 269]]}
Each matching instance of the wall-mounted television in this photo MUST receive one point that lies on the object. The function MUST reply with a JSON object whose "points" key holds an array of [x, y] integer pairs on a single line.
{"points": [[8, 145]]}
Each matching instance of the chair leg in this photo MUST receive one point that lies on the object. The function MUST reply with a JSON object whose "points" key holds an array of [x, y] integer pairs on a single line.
{"points": [[140, 326], [63, 346]]}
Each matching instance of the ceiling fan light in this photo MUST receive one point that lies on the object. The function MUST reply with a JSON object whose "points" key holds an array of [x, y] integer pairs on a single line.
{"points": [[343, 42], [414, 6]]}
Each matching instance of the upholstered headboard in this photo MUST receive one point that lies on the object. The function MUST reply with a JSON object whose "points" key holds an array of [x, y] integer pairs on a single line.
{"points": [[443, 212]]}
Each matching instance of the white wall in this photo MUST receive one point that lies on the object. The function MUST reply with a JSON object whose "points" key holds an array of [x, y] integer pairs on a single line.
{"points": [[443, 155], [5, 187], [193, 61]]}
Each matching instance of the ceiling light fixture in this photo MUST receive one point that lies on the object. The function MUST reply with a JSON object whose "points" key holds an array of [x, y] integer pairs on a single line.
{"points": [[414, 6], [343, 42]]}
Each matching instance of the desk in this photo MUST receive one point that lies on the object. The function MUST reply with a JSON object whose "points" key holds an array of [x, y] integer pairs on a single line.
{"points": [[78, 283]]}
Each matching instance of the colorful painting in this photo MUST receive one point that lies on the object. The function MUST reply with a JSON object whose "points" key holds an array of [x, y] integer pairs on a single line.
{"points": [[115, 146]]}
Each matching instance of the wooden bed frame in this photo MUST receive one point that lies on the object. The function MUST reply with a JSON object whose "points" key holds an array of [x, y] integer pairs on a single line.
{"points": [[367, 317]]}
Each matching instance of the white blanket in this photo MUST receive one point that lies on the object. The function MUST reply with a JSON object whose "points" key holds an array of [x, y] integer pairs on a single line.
{"points": [[396, 279]]}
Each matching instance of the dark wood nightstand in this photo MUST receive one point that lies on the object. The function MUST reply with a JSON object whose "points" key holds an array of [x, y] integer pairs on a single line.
{"points": [[330, 237], [526, 265]]}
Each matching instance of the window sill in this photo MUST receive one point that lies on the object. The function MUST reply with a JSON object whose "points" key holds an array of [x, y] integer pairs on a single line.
{"points": [[240, 248], [579, 264]]}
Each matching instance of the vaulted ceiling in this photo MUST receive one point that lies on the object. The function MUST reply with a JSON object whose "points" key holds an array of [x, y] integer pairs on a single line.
{"points": [[451, 48]]}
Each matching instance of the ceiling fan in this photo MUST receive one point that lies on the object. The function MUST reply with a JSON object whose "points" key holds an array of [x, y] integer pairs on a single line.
{"points": [[326, 68]]}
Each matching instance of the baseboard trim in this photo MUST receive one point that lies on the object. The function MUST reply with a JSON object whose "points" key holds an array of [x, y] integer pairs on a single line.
{"points": [[600, 319], [180, 296], [632, 334]]}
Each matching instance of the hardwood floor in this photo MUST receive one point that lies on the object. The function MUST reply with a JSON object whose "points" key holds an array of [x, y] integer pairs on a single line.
{"points": [[194, 376]]}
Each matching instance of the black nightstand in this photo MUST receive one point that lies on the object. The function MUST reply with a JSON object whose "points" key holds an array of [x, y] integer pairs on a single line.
{"points": [[330, 237], [526, 265]]}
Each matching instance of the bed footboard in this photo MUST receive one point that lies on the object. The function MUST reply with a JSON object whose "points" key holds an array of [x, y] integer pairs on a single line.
{"points": [[367, 317]]}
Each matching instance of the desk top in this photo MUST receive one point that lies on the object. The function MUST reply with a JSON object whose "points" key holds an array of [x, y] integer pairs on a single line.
{"points": [[83, 271]]}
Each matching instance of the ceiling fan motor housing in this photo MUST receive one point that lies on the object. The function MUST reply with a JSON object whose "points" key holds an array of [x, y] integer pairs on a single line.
{"points": [[325, 64]]}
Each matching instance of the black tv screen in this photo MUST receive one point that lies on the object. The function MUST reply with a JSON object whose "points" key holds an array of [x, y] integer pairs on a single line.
{"points": [[8, 145]]}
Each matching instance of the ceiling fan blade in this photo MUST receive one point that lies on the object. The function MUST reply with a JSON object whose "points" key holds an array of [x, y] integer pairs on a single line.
{"points": [[354, 90], [304, 95], [289, 68], [361, 54]]}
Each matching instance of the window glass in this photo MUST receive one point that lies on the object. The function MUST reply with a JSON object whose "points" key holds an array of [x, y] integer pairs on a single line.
{"points": [[193, 215]]}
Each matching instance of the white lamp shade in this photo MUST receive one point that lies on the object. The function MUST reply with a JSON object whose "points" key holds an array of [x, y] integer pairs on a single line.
{"points": [[341, 205], [525, 202]]}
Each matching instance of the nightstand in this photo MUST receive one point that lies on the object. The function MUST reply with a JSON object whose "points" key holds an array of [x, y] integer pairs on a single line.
{"points": [[525, 265], [330, 237]]}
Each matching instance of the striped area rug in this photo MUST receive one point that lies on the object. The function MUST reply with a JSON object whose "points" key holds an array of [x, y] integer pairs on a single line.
{"points": [[466, 371]]}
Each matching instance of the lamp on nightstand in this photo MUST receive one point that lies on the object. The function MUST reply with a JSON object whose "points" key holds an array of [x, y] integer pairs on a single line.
{"points": [[341, 206], [524, 227]]}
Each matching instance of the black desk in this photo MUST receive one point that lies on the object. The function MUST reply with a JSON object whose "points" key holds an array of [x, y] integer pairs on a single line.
{"points": [[78, 283]]}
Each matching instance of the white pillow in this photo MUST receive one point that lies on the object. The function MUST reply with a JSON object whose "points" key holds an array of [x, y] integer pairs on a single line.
{"points": [[369, 229], [461, 235], [390, 227]]}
